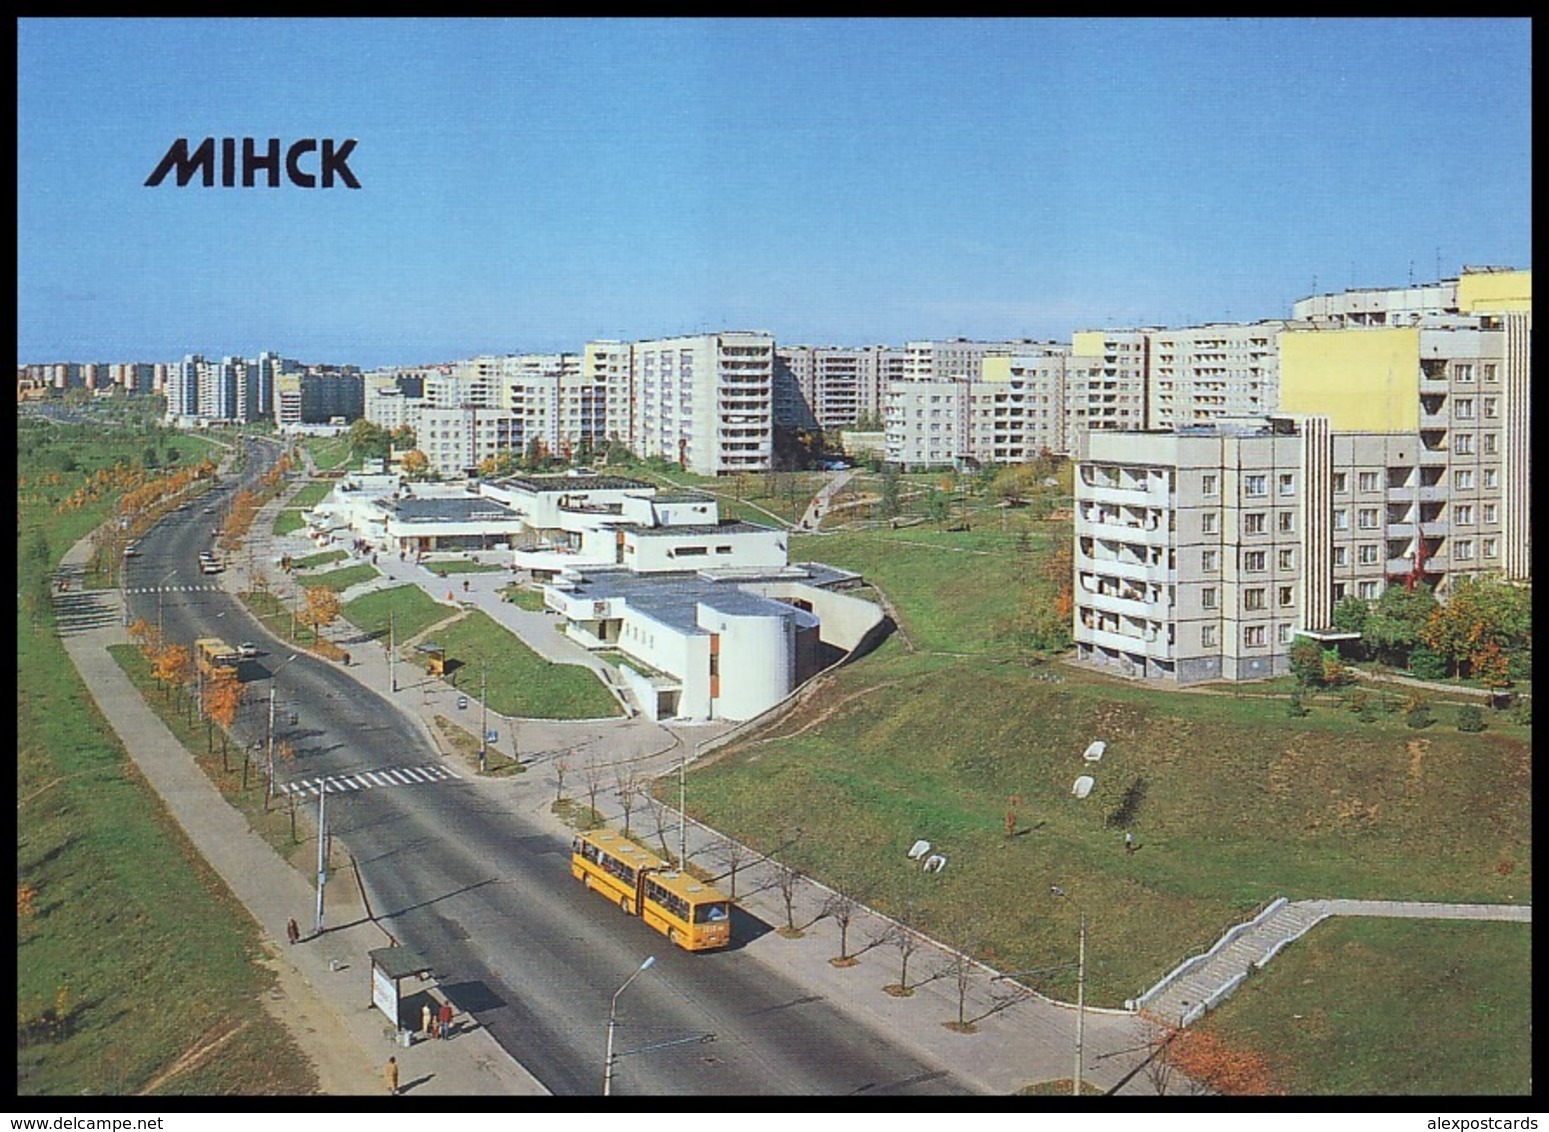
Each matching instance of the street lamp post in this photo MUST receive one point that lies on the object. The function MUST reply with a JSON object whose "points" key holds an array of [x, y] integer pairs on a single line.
{"points": [[683, 810], [607, 1072], [1080, 988], [269, 734], [483, 713]]}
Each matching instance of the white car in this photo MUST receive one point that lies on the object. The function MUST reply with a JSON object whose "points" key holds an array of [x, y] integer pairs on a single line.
{"points": [[247, 650]]}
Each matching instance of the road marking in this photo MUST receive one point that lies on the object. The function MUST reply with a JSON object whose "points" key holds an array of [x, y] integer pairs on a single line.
{"points": [[366, 779]]}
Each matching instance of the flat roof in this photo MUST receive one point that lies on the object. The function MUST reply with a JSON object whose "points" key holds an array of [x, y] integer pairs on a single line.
{"points": [[455, 509], [732, 527], [674, 598], [538, 485]]}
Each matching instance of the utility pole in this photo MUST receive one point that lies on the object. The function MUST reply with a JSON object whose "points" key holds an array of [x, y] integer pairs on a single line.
{"points": [[392, 654], [322, 854], [683, 811], [483, 712]]}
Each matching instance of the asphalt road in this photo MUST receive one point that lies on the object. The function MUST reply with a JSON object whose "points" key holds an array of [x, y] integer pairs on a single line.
{"points": [[487, 897]]}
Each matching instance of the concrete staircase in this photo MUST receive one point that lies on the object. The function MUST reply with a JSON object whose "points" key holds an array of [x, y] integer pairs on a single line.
{"points": [[1199, 983]]}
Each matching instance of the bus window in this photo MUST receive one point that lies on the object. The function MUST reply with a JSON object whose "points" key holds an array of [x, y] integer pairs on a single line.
{"points": [[711, 913]]}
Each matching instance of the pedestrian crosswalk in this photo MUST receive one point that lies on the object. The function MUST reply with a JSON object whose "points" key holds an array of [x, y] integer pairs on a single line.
{"points": [[367, 780], [173, 590]]}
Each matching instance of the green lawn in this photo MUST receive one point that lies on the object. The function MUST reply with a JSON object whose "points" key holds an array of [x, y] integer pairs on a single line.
{"points": [[521, 683], [127, 918], [463, 566], [329, 452], [288, 520], [340, 580], [412, 611], [524, 598], [1392, 1008], [313, 561], [311, 494]]}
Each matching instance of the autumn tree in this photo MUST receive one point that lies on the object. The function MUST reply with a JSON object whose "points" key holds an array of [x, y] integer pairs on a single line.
{"points": [[416, 464], [222, 700], [1480, 612], [1212, 1062], [322, 609], [173, 666]]}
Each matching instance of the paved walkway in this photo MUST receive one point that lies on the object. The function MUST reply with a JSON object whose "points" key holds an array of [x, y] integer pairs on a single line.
{"points": [[1201, 983]]}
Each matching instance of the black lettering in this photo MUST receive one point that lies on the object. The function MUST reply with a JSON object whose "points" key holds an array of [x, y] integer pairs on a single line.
{"points": [[228, 163], [334, 162], [178, 156], [293, 166], [251, 162]]}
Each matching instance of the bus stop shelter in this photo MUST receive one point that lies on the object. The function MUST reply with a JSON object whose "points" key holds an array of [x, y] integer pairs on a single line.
{"points": [[389, 965]]}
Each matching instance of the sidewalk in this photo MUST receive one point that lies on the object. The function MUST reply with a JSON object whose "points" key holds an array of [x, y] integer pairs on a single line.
{"points": [[334, 966]]}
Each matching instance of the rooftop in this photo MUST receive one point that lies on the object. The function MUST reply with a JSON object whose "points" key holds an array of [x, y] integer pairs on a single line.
{"points": [[457, 509], [538, 485], [674, 599], [730, 527]]}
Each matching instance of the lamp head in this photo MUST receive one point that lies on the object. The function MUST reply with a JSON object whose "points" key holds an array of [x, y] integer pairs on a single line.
{"points": [[649, 959]]}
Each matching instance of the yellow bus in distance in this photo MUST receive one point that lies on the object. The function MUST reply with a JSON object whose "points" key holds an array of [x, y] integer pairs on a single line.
{"points": [[690, 913], [216, 658]]}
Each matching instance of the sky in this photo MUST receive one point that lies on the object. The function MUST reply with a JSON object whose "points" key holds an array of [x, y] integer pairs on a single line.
{"points": [[529, 185]]}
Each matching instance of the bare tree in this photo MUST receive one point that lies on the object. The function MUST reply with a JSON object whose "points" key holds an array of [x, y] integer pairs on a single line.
{"points": [[843, 909], [626, 784], [906, 943], [785, 879], [659, 814], [1159, 1068], [734, 855], [961, 970], [561, 768], [591, 777]]}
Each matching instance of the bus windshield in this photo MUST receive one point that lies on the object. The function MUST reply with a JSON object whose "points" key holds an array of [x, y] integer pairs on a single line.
{"points": [[711, 913]]}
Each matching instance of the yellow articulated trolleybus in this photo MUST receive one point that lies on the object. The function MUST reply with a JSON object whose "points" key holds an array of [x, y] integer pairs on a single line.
{"points": [[686, 910]]}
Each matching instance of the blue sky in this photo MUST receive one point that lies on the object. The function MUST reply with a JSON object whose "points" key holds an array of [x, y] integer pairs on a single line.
{"points": [[529, 185]]}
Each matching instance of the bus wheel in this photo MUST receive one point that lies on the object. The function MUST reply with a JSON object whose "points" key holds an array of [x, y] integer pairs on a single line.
{"points": [[586, 879], [624, 904], [672, 937]]}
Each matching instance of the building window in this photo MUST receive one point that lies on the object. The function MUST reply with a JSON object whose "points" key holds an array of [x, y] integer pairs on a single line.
{"points": [[1207, 597], [1487, 513], [1209, 562], [1207, 636], [1253, 599], [1463, 479], [1490, 545], [1463, 408], [1253, 559], [1253, 523], [1491, 478], [1253, 636], [1366, 518], [1368, 481], [1287, 596], [1489, 443], [1287, 522], [1209, 485], [1255, 487], [1366, 554], [1489, 371], [1338, 592], [1463, 514], [1462, 549], [1341, 520], [1491, 408], [1341, 482], [1287, 485], [1207, 523], [1287, 558], [1463, 374], [1367, 591], [1285, 634], [1463, 444]]}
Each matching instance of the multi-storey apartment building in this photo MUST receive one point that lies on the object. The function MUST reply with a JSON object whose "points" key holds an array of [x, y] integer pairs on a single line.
{"points": [[1111, 391], [705, 400], [1198, 374], [1400, 457], [831, 387], [610, 365]]}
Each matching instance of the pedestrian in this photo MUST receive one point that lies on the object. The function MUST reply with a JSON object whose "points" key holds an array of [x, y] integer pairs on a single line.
{"points": [[435, 1026], [446, 1018], [292, 932], [425, 1019], [465, 585], [1129, 843], [391, 1073]]}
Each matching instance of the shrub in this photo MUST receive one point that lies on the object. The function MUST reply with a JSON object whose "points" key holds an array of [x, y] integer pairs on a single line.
{"points": [[1427, 664], [1419, 715], [1294, 706], [1470, 718], [1522, 711]]}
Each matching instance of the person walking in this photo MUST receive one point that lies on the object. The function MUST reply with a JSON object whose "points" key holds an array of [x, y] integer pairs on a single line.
{"points": [[391, 1073], [425, 1019], [446, 1018], [292, 931]]}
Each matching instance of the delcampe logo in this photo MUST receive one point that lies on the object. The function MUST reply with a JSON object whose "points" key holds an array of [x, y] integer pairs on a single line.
{"points": [[333, 162]]}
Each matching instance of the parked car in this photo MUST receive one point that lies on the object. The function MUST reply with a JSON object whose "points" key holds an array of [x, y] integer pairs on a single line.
{"points": [[247, 650]]}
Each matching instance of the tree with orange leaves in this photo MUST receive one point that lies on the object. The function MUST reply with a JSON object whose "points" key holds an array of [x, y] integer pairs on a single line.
{"points": [[1212, 1063], [222, 699], [173, 666]]}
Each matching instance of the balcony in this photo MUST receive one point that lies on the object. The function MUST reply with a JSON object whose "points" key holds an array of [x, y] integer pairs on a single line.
{"points": [[1136, 646], [1113, 603], [1122, 496], [1401, 530], [1114, 567], [1115, 530], [1434, 528]]}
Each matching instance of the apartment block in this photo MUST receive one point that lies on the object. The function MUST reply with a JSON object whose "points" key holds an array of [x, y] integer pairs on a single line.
{"points": [[1198, 374], [610, 365], [705, 400]]}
